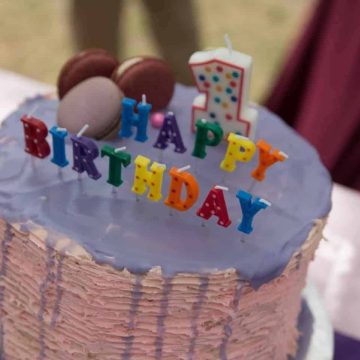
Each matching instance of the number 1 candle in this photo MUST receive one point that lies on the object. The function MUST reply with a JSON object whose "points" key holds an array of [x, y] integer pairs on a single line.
{"points": [[223, 78]]}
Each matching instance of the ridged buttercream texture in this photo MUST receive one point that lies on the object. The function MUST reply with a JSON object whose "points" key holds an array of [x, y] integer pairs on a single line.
{"points": [[60, 304]]}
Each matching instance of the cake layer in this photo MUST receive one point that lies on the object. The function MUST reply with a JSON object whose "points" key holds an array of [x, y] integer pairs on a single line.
{"points": [[60, 304], [140, 235]]}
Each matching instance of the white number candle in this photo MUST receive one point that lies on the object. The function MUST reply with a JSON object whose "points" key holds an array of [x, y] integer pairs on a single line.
{"points": [[223, 77]]}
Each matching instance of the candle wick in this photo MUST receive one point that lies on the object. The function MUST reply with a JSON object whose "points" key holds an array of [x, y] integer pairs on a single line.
{"points": [[286, 156], [228, 43], [221, 187], [83, 129], [268, 203], [120, 149], [33, 110], [143, 99], [184, 168]]}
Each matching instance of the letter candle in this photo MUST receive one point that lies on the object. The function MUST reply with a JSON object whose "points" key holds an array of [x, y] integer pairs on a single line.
{"points": [[35, 132], [117, 158], [169, 133], [215, 204], [249, 209], [180, 177], [207, 134], [59, 155], [222, 77], [85, 151], [144, 178], [130, 118], [266, 159]]}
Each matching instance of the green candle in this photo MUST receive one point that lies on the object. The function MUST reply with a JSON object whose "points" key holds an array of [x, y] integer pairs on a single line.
{"points": [[117, 158], [207, 134]]}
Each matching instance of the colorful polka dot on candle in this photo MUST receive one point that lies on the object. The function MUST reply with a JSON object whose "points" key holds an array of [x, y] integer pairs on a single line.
{"points": [[219, 68], [207, 84], [225, 105], [229, 90], [228, 116], [233, 83], [235, 74], [207, 68], [217, 99], [233, 98], [215, 78], [219, 88], [212, 115], [228, 76], [202, 77]]}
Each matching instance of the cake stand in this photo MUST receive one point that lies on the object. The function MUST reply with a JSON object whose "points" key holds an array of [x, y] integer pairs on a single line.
{"points": [[317, 342]]}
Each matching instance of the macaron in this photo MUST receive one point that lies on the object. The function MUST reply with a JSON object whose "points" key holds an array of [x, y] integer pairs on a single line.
{"points": [[96, 102], [146, 75], [84, 65]]}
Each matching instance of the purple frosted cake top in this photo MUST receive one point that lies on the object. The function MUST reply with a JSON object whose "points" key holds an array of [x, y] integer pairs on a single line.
{"points": [[116, 229]]}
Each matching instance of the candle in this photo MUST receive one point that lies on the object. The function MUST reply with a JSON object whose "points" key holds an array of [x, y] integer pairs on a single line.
{"points": [[207, 134], [170, 133], [215, 205], [179, 178], [240, 149], [85, 151], [222, 76], [117, 158], [58, 138], [266, 159], [129, 119], [145, 179], [249, 209], [35, 132]]}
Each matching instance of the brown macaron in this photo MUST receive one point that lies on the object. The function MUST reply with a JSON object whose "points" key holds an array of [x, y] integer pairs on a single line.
{"points": [[146, 75], [84, 65], [96, 102]]}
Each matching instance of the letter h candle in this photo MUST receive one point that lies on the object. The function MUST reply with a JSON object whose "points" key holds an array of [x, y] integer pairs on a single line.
{"points": [[129, 118]]}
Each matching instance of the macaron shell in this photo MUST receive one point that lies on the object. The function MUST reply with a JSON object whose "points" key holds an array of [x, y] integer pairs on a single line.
{"points": [[95, 101], [145, 75], [87, 64]]}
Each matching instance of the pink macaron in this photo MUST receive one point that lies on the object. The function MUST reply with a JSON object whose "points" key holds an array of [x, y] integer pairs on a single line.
{"points": [[95, 101]]}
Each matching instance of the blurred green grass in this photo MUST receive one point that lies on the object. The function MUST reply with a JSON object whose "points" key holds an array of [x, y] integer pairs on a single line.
{"points": [[35, 38]]}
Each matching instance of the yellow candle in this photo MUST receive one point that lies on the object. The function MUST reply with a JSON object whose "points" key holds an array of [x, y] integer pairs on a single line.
{"points": [[145, 179], [240, 149]]}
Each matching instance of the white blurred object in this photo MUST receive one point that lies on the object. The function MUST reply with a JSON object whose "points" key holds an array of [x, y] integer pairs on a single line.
{"points": [[15, 88], [321, 346], [336, 269]]}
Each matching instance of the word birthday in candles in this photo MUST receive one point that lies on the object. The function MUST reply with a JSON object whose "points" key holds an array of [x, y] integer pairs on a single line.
{"points": [[184, 189], [222, 77]]}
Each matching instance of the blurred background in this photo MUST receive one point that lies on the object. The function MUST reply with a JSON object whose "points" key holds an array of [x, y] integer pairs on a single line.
{"points": [[36, 36]]}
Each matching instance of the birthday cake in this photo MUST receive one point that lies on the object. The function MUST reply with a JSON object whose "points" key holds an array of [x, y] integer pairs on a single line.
{"points": [[155, 246]]}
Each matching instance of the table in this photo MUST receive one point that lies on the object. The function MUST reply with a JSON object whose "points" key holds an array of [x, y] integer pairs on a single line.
{"points": [[336, 269]]}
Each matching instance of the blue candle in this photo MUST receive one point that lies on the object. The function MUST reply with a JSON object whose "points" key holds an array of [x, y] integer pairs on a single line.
{"points": [[58, 139], [139, 120], [249, 209]]}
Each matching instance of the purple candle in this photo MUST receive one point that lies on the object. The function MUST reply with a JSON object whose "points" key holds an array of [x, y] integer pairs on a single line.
{"points": [[85, 151], [170, 133]]}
